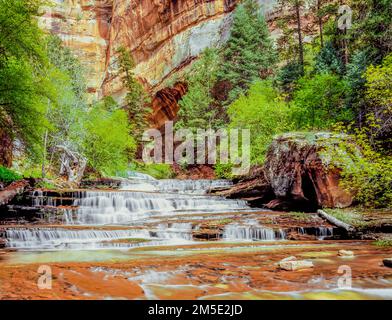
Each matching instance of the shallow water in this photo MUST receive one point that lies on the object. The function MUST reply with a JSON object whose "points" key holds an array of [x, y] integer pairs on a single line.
{"points": [[179, 243]]}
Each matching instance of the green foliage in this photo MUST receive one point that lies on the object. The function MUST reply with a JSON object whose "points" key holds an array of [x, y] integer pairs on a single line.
{"points": [[156, 170], [108, 144], [63, 59], [365, 172], [356, 82], [289, 75], [386, 243], [23, 87], [319, 102], [379, 98], [264, 113], [224, 171], [249, 53], [7, 176], [372, 23], [137, 99], [328, 61], [45, 184], [198, 108]]}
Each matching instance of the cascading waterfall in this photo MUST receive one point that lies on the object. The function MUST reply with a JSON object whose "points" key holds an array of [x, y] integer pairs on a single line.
{"points": [[124, 207], [154, 217], [50, 237], [89, 208], [252, 231], [196, 187], [323, 233]]}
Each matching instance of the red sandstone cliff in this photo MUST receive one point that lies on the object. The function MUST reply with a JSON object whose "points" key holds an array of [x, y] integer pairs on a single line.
{"points": [[164, 36]]}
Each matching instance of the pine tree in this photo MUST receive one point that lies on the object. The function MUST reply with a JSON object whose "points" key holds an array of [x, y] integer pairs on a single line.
{"points": [[293, 17], [249, 53], [137, 99], [328, 60]]}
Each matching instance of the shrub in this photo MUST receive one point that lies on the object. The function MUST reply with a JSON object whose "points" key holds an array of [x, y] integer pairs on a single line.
{"points": [[366, 173], [108, 144], [8, 176], [264, 113], [319, 102], [156, 170]]}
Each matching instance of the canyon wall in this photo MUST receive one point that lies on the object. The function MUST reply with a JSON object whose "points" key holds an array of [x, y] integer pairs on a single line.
{"points": [[163, 36]]}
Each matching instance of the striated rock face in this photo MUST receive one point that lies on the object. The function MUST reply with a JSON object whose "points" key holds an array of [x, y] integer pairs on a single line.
{"points": [[164, 37], [84, 26], [298, 174], [165, 104]]}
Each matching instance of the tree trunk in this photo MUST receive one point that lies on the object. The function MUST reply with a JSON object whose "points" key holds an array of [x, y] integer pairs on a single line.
{"points": [[44, 154], [320, 21], [72, 165], [299, 30], [6, 146]]}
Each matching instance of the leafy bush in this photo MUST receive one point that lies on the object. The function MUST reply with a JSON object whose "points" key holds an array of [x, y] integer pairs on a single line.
{"points": [[264, 113], [7, 176], [379, 98], [319, 102], [223, 171], [108, 144], [156, 170], [367, 174]]}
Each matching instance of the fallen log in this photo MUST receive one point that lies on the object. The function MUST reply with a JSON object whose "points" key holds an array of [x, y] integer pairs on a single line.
{"points": [[10, 192], [335, 221]]}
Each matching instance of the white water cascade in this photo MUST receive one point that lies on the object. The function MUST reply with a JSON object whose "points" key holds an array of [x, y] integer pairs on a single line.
{"points": [[126, 207], [174, 213], [195, 187], [252, 231]]}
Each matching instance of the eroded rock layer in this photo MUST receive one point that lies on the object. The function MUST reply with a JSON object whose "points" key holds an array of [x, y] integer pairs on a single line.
{"points": [[163, 36]]}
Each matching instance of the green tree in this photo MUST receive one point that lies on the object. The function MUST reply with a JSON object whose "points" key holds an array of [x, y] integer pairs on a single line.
{"points": [[319, 102], [24, 90], [372, 26], [354, 77], [137, 100], [249, 53], [328, 60], [108, 144], [293, 18], [379, 98], [198, 108], [264, 113], [66, 111]]}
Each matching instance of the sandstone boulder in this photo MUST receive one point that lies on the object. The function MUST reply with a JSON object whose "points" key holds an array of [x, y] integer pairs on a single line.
{"points": [[300, 176], [292, 264], [346, 253]]}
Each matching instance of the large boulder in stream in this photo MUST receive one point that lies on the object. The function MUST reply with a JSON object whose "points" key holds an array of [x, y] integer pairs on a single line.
{"points": [[301, 175]]}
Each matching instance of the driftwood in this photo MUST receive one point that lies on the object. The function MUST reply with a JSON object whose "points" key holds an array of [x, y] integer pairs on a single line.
{"points": [[72, 165], [335, 221], [12, 191]]}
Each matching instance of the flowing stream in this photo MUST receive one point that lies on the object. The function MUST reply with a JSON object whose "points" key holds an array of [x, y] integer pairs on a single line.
{"points": [[187, 234], [144, 212]]}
